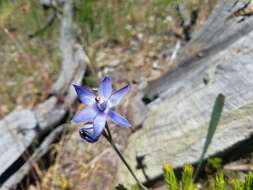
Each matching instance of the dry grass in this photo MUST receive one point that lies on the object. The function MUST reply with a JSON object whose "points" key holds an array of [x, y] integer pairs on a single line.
{"points": [[28, 66]]}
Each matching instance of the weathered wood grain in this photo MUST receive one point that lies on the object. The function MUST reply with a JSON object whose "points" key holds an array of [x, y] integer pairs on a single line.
{"points": [[66, 44], [14, 180], [15, 129], [218, 34], [175, 124]]}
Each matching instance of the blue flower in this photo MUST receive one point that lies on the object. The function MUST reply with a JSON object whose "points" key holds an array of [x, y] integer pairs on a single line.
{"points": [[87, 133], [98, 108]]}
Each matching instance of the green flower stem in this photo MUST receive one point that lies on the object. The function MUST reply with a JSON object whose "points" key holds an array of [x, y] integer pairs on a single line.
{"points": [[108, 137]]}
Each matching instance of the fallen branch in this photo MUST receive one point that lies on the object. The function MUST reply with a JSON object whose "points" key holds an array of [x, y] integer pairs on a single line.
{"points": [[238, 167], [14, 180]]}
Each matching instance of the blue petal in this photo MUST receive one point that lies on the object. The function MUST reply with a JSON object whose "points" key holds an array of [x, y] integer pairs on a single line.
{"points": [[86, 115], [105, 88], [87, 133], [85, 96], [118, 95], [118, 119], [99, 125]]}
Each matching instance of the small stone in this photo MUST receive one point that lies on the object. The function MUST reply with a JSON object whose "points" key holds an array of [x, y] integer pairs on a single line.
{"points": [[154, 74], [155, 65]]}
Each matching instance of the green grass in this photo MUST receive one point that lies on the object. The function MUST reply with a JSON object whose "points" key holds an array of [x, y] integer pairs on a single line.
{"points": [[219, 182], [118, 20]]}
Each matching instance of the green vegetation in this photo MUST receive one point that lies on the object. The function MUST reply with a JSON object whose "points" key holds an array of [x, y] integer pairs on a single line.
{"points": [[187, 183], [213, 124], [169, 177], [121, 187], [118, 20], [214, 163], [172, 182], [218, 183]]}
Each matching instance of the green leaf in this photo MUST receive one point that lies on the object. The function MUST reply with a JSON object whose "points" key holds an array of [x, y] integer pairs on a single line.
{"points": [[135, 187], [248, 184], [215, 118], [121, 187], [187, 183], [219, 182], [237, 184], [215, 162], [169, 177]]}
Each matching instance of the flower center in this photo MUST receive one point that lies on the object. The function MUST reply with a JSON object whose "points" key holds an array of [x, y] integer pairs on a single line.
{"points": [[101, 105], [98, 99]]}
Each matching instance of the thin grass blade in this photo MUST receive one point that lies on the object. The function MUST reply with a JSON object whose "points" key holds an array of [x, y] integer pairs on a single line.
{"points": [[215, 118]]}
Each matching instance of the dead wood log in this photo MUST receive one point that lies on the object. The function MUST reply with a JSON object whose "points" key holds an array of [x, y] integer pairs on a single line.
{"points": [[218, 59], [17, 133], [14, 180], [21, 131], [238, 167], [66, 44], [219, 33]]}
